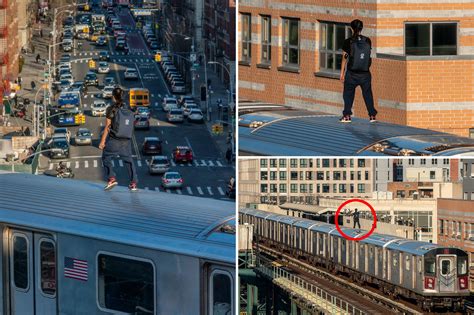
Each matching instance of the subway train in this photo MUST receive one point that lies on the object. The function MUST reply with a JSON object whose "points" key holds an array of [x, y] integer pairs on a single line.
{"points": [[432, 275], [69, 247]]}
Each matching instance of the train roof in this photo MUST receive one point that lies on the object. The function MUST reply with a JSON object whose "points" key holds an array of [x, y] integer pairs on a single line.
{"points": [[310, 134], [180, 224], [412, 246]]}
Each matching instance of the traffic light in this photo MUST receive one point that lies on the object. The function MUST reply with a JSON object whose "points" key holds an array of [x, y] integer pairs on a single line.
{"points": [[203, 93], [83, 119], [158, 57], [77, 119]]}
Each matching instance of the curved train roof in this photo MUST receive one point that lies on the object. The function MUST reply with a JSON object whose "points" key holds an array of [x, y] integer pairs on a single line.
{"points": [[175, 223], [388, 241], [310, 134]]}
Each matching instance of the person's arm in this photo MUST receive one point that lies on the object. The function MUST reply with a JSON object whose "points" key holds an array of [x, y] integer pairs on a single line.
{"points": [[108, 124], [343, 66]]}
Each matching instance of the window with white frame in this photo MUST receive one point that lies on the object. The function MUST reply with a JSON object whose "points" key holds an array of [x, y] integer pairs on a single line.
{"points": [[431, 38], [331, 39], [266, 42], [291, 42], [246, 37]]}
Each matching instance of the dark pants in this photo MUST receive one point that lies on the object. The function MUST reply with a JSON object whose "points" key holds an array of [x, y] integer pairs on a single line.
{"points": [[351, 82], [123, 149], [356, 221]]}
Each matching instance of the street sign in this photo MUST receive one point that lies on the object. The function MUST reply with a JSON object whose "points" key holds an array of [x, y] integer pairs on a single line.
{"points": [[192, 57]]}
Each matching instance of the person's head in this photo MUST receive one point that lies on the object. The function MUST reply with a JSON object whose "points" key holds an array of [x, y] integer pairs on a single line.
{"points": [[356, 210], [61, 163], [357, 27], [117, 95]]}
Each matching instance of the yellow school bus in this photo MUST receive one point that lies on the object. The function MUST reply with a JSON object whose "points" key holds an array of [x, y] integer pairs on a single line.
{"points": [[139, 97]]}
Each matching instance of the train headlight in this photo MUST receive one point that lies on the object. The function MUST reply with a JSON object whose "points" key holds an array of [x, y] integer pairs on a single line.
{"points": [[463, 284], [429, 283]]}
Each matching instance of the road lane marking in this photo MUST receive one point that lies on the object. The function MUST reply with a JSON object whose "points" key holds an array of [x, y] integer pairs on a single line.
{"points": [[139, 163], [146, 188], [121, 163], [203, 163], [68, 164], [86, 164], [199, 190], [220, 191], [211, 163], [51, 166], [209, 190], [77, 164], [190, 191], [168, 191], [157, 188], [173, 163], [219, 164], [113, 164], [95, 163], [196, 163], [179, 191]]}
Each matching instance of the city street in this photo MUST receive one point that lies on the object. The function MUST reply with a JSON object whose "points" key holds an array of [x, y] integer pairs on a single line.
{"points": [[209, 173]]}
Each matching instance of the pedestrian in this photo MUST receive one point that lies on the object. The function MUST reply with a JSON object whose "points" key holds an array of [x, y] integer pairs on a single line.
{"points": [[33, 85], [32, 48], [355, 71], [355, 215], [41, 33], [117, 140], [228, 155], [38, 57], [19, 82]]}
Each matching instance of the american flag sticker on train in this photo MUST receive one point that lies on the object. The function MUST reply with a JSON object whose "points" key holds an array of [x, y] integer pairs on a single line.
{"points": [[75, 268]]}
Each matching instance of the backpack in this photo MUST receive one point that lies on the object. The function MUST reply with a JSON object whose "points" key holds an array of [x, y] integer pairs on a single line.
{"points": [[359, 59], [122, 124]]}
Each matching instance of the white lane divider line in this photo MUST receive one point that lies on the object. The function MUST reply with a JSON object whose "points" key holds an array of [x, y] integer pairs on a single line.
{"points": [[77, 164], [203, 163], [95, 163], [196, 163], [113, 163], [139, 163], [190, 191], [172, 162], [220, 191], [86, 164], [211, 163], [199, 190], [209, 190], [68, 164], [179, 191], [219, 164]]}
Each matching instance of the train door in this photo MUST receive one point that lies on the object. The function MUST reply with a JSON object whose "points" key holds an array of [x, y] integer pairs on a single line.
{"points": [[32, 273], [447, 273]]}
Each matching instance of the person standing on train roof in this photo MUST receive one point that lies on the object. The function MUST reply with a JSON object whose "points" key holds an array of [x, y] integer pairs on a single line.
{"points": [[355, 72], [356, 215]]}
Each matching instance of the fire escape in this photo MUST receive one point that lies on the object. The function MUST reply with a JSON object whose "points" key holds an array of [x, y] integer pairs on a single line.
{"points": [[3, 42]]}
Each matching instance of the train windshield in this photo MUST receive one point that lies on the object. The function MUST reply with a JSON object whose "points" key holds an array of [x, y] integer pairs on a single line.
{"points": [[462, 265], [221, 286], [430, 266]]}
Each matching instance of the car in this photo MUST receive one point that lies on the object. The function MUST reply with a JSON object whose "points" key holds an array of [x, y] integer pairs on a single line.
{"points": [[66, 77], [131, 73], [169, 102], [61, 133], [186, 99], [107, 91], [121, 45], [143, 111], [178, 87], [103, 67], [65, 58], [78, 86], [65, 66], [67, 46], [83, 137], [188, 107], [195, 115], [172, 180], [110, 81], [183, 154], [154, 45], [152, 145], [64, 85], [91, 79], [59, 148], [158, 164], [104, 55], [142, 123], [98, 108], [101, 41], [120, 33], [175, 115]]}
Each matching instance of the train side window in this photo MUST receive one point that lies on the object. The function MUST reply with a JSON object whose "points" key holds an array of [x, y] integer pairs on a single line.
{"points": [[430, 265], [221, 293], [395, 260], [20, 262], [407, 262], [462, 265], [48, 267], [125, 284]]}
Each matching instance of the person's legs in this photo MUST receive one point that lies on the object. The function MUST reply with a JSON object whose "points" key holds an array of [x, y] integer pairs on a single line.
{"points": [[349, 93], [110, 151], [126, 156], [366, 85], [358, 224]]}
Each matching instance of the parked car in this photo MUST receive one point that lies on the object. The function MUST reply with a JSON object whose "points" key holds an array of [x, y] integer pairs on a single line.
{"points": [[182, 154], [172, 180], [195, 115], [142, 123], [175, 115], [98, 108], [159, 164], [59, 148], [152, 145], [83, 137], [131, 73]]}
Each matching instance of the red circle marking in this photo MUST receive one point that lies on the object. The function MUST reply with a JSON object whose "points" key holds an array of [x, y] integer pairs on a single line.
{"points": [[374, 225]]}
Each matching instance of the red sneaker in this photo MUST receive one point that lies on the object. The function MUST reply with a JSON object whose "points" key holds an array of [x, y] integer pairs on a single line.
{"points": [[133, 186], [111, 183]]}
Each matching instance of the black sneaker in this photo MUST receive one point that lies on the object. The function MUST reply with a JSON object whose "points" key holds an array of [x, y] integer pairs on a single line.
{"points": [[372, 119], [133, 186], [111, 184], [345, 119]]}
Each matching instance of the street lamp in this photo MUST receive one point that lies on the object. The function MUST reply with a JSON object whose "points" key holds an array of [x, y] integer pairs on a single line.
{"points": [[54, 25], [36, 118]]}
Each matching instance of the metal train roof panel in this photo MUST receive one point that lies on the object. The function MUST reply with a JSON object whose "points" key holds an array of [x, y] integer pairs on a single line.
{"points": [[161, 221], [304, 223], [412, 247], [379, 239], [324, 135], [324, 227]]}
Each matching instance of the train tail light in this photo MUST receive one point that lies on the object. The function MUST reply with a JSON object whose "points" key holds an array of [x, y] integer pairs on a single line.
{"points": [[463, 283], [429, 283]]}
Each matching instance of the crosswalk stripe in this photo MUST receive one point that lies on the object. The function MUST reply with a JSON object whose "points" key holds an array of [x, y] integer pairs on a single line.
{"points": [[168, 191], [85, 96], [209, 190], [95, 163], [77, 164], [173, 163], [121, 163], [203, 163], [113, 164], [68, 164], [196, 163], [179, 191], [139, 163], [146, 188], [190, 191], [190, 164], [199, 190], [181, 164], [51, 166], [211, 163], [157, 188], [219, 164], [220, 191], [86, 164]]}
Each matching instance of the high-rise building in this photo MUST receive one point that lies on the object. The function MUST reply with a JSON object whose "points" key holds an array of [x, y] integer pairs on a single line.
{"points": [[9, 44]]}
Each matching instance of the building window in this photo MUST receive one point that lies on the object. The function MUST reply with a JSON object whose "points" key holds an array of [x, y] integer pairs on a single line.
{"points": [[400, 194], [434, 161], [445, 161], [291, 35], [246, 36], [282, 162], [325, 188], [432, 174], [273, 162], [330, 46], [293, 163], [320, 175], [352, 175], [273, 175], [282, 188], [342, 188], [309, 175], [303, 163], [263, 163], [294, 188], [361, 163], [294, 175], [282, 175], [325, 162], [441, 227], [266, 39], [411, 161], [361, 188], [273, 188], [263, 188], [303, 188], [336, 175], [125, 284], [342, 163], [263, 175], [334, 188], [431, 39], [366, 175], [423, 161]]}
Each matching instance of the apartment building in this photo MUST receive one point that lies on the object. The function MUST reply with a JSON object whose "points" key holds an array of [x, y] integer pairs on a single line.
{"points": [[423, 57], [9, 44], [303, 180]]}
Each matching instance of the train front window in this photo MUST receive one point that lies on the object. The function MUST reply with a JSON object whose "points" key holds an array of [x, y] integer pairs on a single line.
{"points": [[221, 294], [445, 267], [125, 284], [430, 266], [462, 265], [20, 262], [48, 267]]}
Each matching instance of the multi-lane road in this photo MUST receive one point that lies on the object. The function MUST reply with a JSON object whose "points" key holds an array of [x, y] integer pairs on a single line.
{"points": [[207, 176]]}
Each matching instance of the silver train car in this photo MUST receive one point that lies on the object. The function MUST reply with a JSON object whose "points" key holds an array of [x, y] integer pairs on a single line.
{"points": [[69, 248], [432, 275]]}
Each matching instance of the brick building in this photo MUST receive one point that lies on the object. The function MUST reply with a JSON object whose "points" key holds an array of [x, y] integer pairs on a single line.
{"points": [[423, 57], [9, 44]]}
